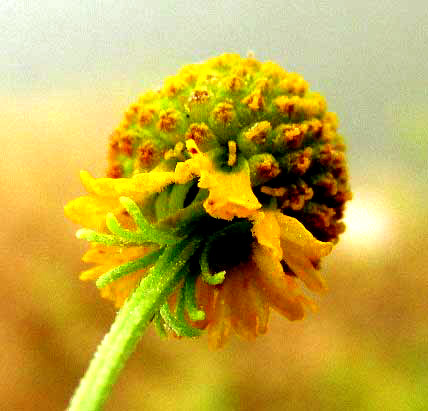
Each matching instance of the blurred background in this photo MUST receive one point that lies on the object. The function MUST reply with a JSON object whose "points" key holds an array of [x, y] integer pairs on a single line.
{"points": [[68, 70]]}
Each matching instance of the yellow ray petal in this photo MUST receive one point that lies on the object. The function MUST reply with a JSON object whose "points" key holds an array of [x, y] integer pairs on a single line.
{"points": [[121, 289], [94, 273], [90, 211], [267, 232], [114, 255], [96, 254], [137, 187], [230, 194]]}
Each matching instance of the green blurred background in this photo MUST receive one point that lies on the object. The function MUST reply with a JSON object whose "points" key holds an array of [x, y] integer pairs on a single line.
{"points": [[68, 70]]}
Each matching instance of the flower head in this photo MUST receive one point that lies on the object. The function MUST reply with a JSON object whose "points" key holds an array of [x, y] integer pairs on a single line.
{"points": [[237, 160]]}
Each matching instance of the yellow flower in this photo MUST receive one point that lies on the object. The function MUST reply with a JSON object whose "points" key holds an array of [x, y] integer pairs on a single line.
{"points": [[239, 160]]}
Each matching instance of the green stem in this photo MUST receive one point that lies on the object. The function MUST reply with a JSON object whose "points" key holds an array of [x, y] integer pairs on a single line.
{"points": [[129, 325]]}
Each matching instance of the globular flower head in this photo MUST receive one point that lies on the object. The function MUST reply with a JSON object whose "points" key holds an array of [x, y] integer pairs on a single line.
{"points": [[241, 158]]}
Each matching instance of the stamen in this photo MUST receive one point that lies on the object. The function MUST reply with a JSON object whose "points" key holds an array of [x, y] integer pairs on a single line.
{"points": [[232, 153]]}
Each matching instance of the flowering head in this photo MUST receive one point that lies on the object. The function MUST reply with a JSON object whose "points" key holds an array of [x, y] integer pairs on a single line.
{"points": [[233, 175]]}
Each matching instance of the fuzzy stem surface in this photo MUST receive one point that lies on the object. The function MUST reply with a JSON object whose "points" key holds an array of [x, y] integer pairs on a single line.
{"points": [[128, 327]]}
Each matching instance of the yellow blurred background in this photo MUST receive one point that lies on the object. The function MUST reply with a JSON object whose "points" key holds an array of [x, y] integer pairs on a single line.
{"points": [[67, 73]]}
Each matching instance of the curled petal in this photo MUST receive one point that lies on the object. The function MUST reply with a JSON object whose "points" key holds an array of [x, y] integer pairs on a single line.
{"points": [[90, 211], [230, 194], [302, 266], [294, 231], [220, 325]]}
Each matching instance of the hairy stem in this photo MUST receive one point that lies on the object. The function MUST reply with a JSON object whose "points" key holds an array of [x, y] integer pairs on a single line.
{"points": [[129, 325]]}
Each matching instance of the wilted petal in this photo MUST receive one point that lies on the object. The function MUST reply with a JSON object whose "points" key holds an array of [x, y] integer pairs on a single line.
{"points": [[219, 327], [258, 299], [301, 250], [280, 289], [243, 311], [302, 266]]}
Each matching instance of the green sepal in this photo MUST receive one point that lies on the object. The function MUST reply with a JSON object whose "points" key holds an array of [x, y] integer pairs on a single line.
{"points": [[127, 268], [218, 278], [162, 204], [106, 239], [211, 279], [159, 324], [178, 196], [181, 328], [135, 212], [190, 299], [141, 236]]}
